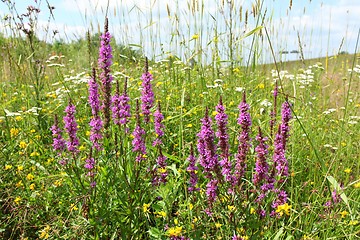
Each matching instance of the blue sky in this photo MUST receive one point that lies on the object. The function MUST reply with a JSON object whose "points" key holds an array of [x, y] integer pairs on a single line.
{"points": [[167, 26]]}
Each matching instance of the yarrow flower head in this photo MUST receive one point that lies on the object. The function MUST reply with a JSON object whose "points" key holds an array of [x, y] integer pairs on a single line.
{"points": [[120, 106], [147, 94], [71, 128], [58, 141]]}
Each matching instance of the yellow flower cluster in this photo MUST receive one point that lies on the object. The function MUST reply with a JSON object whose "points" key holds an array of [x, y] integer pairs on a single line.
{"points": [[174, 231], [284, 208]]}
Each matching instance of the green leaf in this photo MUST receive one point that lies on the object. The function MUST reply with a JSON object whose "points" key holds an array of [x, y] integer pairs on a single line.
{"points": [[279, 233], [339, 190], [255, 30], [155, 233]]}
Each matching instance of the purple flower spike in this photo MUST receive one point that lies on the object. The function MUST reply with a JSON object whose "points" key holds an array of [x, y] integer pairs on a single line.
{"points": [[244, 121], [139, 135], [160, 170], [94, 94], [120, 106], [206, 147], [222, 121], [261, 174], [192, 168], [105, 61], [147, 94], [96, 125], [159, 127], [71, 128], [58, 141]]}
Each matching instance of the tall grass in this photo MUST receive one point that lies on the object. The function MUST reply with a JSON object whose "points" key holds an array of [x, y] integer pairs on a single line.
{"points": [[129, 187]]}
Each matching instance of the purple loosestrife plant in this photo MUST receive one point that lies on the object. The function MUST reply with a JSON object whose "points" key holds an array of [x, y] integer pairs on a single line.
{"points": [[71, 128], [120, 106], [96, 123], [192, 168], [139, 138], [206, 147], [261, 174], [94, 94], [58, 141], [159, 126], [160, 170], [147, 94], [280, 161], [222, 120], [244, 139], [90, 167], [105, 62]]}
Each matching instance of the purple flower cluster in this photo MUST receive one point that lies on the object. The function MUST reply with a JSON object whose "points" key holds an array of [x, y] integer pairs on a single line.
{"points": [[90, 166], [139, 138], [160, 170], [58, 141], [120, 106], [159, 126], [192, 168], [105, 61], [206, 147], [71, 128], [280, 199], [223, 144], [147, 94], [94, 94], [96, 123], [261, 174], [280, 161], [244, 121]]}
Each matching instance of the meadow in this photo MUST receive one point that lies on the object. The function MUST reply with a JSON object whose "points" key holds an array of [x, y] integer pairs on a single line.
{"points": [[101, 142]]}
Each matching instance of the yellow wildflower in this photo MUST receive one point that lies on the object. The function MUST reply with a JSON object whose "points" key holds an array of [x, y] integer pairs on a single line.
{"points": [[161, 214], [44, 234], [32, 186], [195, 36], [37, 137], [344, 213], [161, 170], [18, 118], [191, 206], [284, 208], [22, 144], [347, 170], [82, 148], [34, 154], [260, 86], [231, 208], [17, 200], [174, 231], [19, 184], [353, 222], [176, 221], [57, 183], [218, 225], [357, 185], [189, 125], [14, 132], [8, 167], [32, 131], [252, 210], [146, 207], [73, 207], [30, 177]]}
